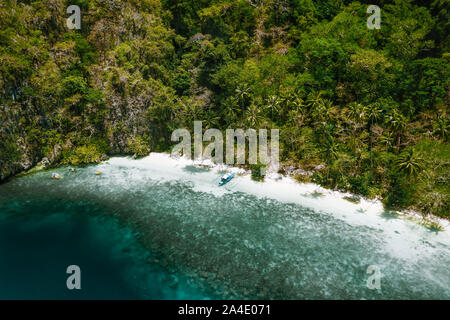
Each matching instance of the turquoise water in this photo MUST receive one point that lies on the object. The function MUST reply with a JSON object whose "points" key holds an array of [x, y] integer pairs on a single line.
{"points": [[148, 230], [41, 236]]}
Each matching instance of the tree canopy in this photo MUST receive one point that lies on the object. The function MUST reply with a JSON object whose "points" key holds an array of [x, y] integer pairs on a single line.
{"points": [[360, 109]]}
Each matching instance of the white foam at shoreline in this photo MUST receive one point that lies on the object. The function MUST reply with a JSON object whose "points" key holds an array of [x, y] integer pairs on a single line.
{"points": [[161, 166]]}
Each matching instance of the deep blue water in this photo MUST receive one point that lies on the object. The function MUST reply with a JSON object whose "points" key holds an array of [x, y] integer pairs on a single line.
{"points": [[40, 238]]}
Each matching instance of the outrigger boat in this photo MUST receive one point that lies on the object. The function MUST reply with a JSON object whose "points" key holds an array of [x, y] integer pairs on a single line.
{"points": [[226, 178], [56, 176]]}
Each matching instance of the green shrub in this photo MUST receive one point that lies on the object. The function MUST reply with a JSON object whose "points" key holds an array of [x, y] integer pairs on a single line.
{"points": [[302, 178], [8, 150], [83, 155], [256, 172], [353, 199], [74, 85], [359, 185], [432, 225], [400, 194], [138, 146]]}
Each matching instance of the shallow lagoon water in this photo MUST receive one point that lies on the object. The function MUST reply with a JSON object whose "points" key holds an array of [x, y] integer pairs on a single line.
{"points": [[158, 228]]}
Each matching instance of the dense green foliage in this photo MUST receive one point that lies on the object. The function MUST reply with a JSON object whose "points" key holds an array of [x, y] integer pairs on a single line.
{"points": [[364, 110]]}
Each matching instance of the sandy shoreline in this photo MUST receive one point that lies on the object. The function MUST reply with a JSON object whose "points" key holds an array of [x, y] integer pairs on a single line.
{"points": [[276, 186], [281, 187]]}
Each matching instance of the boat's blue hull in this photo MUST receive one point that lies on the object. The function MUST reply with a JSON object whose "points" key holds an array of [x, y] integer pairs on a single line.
{"points": [[225, 181]]}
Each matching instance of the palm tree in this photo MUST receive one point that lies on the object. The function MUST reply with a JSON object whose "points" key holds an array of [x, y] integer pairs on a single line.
{"points": [[409, 163], [372, 113], [297, 117], [273, 104], [352, 117], [318, 110], [387, 138], [314, 99], [289, 101], [329, 110], [243, 92], [355, 112], [212, 119], [191, 112], [397, 122], [331, 148], [253, 116], [441, 127], [230, 113], [230, 110], [297, 103], [331, 152]]}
